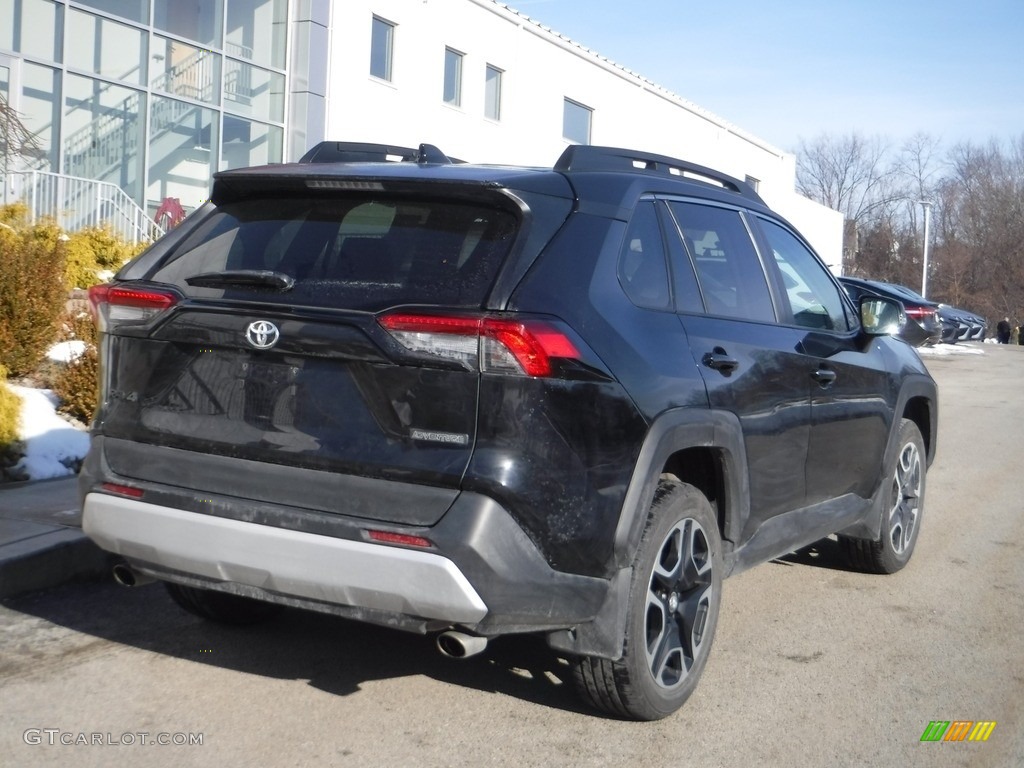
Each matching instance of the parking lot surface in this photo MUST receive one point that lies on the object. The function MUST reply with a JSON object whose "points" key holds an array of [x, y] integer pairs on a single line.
{"points": [[813, 664]]}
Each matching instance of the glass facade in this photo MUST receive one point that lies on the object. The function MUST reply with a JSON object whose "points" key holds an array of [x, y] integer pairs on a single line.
{"points": [[152, 95]]}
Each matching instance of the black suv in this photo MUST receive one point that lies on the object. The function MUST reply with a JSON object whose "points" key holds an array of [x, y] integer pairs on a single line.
{"points": [[476, 400]]}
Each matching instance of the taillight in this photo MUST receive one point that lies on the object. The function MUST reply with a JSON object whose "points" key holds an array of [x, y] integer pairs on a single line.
{"points": [[922, 313], [116, 305], [491, 344]]}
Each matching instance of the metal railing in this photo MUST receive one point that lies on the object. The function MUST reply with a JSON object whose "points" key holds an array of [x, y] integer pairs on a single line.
{"points": [[76, 203]]}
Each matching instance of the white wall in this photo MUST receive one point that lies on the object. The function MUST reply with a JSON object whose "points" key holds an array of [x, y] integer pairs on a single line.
{"points": [[541, 69]]}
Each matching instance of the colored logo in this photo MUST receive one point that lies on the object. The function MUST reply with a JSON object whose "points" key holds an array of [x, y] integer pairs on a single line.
{"points": [[958, 730]]}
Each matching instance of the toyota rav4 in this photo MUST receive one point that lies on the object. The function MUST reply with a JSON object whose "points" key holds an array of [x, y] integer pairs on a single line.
{"points": [[468, 401]]}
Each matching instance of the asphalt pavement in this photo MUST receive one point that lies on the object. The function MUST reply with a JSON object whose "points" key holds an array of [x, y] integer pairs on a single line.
{"points": [[41, 539]]}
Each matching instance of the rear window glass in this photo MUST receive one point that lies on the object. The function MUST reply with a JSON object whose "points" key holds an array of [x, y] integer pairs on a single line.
{"points": [[362, 253]]}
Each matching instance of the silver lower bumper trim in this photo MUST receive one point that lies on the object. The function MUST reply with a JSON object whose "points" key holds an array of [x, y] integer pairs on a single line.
{"points": [[354, 573]]}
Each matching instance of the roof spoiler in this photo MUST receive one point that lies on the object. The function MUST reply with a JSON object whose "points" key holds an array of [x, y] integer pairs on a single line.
{"points": [[358, 152]]}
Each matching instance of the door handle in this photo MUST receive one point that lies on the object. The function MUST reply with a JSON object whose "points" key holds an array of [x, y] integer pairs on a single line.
{"points": [[824, 377], [719, 361]]}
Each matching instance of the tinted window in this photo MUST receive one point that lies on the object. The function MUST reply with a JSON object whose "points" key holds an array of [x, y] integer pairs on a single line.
{"points": [[732, 281], [813, 298], [350, 252], [642, 270]]}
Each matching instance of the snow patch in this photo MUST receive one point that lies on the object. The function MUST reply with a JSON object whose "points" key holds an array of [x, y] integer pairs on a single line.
{"points": [[66, 351], [52, 445], [950, 349]]}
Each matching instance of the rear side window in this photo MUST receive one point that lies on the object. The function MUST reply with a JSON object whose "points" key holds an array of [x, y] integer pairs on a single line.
{"points": [[642, 270], [354, 253], [728, 269]]}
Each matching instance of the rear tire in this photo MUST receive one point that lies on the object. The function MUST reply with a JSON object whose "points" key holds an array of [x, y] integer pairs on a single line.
{"points": [[221, 606], [673, 609], [904, 508]]}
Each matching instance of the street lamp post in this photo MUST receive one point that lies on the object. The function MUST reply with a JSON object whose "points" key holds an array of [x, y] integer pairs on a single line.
{"points": [[927, 205]]}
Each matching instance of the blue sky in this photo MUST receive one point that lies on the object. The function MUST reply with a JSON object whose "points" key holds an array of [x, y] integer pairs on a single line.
{"points": [[795, 69]]}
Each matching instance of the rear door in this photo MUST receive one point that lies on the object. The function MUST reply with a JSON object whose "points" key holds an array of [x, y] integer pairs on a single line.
{"points": [[752, 365]]}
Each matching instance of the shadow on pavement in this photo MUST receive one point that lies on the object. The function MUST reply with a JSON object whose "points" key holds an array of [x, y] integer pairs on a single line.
{"points": [[825, 553], [335, 655]]}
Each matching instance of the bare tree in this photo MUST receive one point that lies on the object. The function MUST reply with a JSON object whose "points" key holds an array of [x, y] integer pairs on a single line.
{"points": [[15, 139], [852, 175], [981, 229]]}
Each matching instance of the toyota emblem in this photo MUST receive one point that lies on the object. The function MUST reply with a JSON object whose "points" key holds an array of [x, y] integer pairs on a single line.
{"points": [[262, 334]]}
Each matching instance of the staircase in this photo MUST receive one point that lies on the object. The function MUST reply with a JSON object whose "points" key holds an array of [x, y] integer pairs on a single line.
{"points": [[77, 203]]}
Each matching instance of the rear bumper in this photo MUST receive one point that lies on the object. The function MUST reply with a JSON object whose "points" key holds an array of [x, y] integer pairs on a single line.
{"points": [[283, 562], [482, 572]]}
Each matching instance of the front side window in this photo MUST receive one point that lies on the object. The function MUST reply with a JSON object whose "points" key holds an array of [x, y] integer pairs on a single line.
{"points": [[813, 298], [382, 37], [576, 122], [452, 77], [732, 281]]}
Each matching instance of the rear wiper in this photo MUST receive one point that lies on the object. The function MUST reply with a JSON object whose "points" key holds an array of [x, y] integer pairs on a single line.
{"points": [[260, 277]]}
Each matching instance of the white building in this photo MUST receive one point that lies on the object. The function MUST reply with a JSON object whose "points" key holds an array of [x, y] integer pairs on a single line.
{"points": [[171, 90]]}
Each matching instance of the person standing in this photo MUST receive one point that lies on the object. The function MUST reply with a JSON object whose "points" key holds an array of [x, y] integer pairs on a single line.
{"points": [[1003, 331]]}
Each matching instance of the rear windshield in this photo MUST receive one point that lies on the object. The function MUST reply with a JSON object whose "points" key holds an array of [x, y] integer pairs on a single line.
{"points": [[353, 253]]}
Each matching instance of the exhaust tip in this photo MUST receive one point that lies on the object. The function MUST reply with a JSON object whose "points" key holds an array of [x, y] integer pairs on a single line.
{"points": [[128, 577], [459, 645]]}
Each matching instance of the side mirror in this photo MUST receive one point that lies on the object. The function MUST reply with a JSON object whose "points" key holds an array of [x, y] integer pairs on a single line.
{"points": [[881, 317]]}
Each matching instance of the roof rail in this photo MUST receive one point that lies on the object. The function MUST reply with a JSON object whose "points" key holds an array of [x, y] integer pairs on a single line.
{"points": [[584, 157], [359, 152]]}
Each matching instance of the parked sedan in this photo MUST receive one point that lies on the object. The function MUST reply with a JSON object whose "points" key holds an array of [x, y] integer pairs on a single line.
{"points": [[922, 325]]}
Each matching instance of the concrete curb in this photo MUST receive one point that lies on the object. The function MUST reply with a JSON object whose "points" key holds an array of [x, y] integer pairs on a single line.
{"points": [[41, 540], [48, 559]]}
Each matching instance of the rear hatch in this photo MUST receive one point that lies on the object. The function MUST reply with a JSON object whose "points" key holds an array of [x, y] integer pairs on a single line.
{"points": [[331, 329]]}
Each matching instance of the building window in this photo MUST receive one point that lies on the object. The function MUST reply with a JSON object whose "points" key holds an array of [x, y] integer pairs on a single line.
{"points": [[105, 47], [184, 70], [102, 132], [253, 91], [576, 120], [32, 27], [256, 31], [492, 93], [196, 20], [134, 10], [381, 44], [452, 77]]}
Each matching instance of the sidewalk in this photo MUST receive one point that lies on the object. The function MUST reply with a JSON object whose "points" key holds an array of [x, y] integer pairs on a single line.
{"points": [[41, 540]]}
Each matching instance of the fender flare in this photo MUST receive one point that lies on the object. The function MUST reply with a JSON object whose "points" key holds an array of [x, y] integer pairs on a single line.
{"points": [[673, 431], [913, 387]]}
